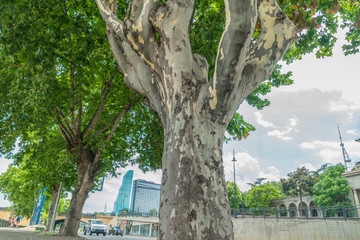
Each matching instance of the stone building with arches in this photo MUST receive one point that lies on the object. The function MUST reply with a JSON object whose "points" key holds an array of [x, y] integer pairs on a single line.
{"points": [[294, 207]]}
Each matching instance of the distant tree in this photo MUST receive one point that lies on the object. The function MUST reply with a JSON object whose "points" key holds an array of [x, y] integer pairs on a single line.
{"points": [[278, 186], [58, 74], [299, 183], [332, 189], [239, 196], [41, 164], [257, 182], [261, 196], [153, 212]]}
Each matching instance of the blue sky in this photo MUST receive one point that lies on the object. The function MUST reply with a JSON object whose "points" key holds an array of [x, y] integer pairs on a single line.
{"points": [[299, 128]]}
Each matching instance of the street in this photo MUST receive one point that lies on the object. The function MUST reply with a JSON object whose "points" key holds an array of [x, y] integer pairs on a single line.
{"points": [[111, 237]]}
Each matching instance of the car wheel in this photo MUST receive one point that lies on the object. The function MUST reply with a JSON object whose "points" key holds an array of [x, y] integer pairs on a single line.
{"points": [[104, 234], [97, 234]]}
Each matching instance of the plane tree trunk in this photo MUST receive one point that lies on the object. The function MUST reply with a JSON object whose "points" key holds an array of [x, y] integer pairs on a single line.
{"points": [[195, 108], [86, 145], [86, 172]]}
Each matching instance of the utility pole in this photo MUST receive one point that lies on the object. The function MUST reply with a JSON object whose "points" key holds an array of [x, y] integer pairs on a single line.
{"points": [[234, 160]]}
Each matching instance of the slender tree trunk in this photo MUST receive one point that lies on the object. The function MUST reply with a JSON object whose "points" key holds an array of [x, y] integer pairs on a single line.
{"points": [[54, 194], [86, 173], [193, 183]]}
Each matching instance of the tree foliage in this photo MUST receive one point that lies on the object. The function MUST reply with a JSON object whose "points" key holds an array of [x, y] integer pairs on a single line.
{"points": [[332, 188], [261, 196], [240, 197], [300, 182], [43, 163], [58, 75]]}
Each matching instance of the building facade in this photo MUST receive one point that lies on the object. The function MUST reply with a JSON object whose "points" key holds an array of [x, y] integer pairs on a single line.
{"points": [[123, 198], [145, 196], [353, 178]]}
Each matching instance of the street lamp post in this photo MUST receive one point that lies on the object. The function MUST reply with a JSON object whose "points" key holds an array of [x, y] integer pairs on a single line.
{"points": [[234, 160]]}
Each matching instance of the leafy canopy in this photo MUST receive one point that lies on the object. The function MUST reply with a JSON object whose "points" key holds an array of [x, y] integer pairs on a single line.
{"points": [[261, 196], [332, 189]]}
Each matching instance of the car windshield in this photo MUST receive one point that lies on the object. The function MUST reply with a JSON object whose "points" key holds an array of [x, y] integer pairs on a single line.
{"points": [[97, 222], [116, 227]]}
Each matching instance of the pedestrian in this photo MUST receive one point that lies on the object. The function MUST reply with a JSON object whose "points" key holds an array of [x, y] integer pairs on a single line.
{"points": [[12, 221], [18, 219]]}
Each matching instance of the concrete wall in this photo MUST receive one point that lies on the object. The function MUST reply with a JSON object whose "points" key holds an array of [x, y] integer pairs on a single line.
{"points": [[5, 214], [296, 229]]}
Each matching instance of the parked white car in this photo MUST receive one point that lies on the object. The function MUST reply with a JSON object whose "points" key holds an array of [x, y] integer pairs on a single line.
{"points": [[95, 226]]}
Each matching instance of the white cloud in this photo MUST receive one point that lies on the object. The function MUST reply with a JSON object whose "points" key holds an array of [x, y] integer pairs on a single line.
{"points": [[343, 106], [352, 132], [309, 166], [293, 121], [261, 121], [330, 152], [247, 170]]}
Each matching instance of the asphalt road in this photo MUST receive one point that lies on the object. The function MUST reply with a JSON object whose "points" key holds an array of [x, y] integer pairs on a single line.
{"points": [[111, 237]]}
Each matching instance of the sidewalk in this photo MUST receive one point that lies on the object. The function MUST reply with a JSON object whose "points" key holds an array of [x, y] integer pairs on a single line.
{"points": [[30, 234]]}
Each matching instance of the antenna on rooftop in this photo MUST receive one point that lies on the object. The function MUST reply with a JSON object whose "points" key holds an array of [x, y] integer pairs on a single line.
{"points": [[347, 159]]}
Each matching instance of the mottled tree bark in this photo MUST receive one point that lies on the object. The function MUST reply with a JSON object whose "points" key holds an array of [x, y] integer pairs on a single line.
{"points": [[195, 110]]}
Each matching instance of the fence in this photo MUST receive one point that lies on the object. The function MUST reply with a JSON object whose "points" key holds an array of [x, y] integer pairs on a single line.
{"points": [[4, 223], [139, 214], [335, 212]]}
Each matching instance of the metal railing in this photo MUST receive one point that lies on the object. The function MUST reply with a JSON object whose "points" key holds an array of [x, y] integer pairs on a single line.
{"points": [[4, 223], [333, 212], [138, 214]]}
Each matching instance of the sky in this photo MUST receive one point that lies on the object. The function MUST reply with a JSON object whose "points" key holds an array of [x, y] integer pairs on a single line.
{"points": [[299, 128]]}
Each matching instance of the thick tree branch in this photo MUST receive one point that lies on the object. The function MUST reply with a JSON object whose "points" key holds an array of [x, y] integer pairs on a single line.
{"points": [[64, 132], [277, 35], [137, 75], [109, 17], [135, 33], [241, 16], [63, 118], [91, 126], [171, 21], [126, 108], [79, 116], [72, 108]]}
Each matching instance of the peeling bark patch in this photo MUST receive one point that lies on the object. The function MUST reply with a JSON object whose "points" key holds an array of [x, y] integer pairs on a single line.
{"points": [[178, 49], [280, 17], [200, 179], [137, 27], [141, 40], [222, 53], [213, 101], [192, 215], [217, 152], [184, 43], [248, 70]]}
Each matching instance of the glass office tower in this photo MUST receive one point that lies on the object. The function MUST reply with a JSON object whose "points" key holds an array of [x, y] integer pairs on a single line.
{"points": [[145, 196], [123, 198]]}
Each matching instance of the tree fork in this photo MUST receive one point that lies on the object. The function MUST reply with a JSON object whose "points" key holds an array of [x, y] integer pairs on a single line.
{"points": [[195, 111]]}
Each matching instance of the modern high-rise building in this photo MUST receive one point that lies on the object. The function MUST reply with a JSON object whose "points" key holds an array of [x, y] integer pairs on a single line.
{"points": [[123, 198], [145, 196]]}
